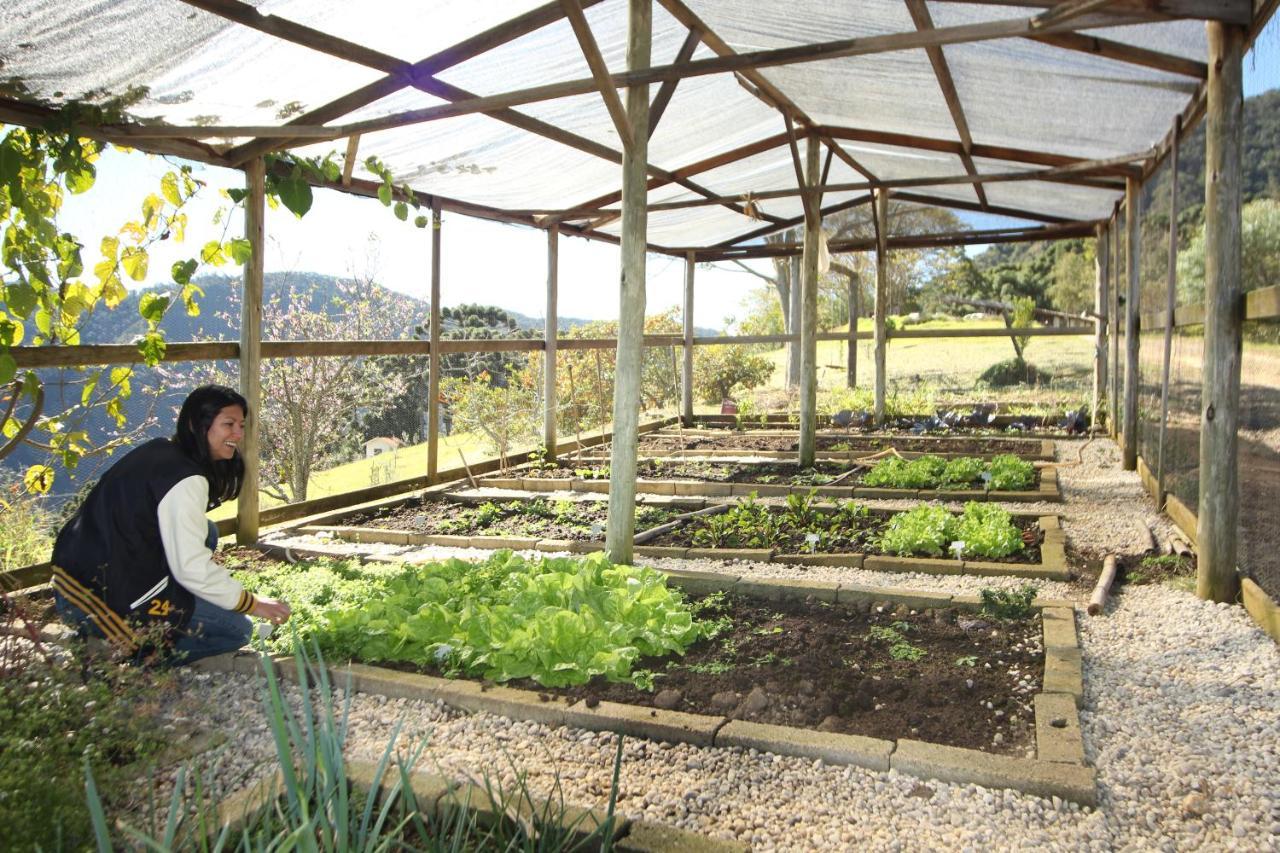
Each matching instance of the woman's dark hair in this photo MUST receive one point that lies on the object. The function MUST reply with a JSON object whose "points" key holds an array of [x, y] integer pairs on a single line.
{"points": [[196, 416]]}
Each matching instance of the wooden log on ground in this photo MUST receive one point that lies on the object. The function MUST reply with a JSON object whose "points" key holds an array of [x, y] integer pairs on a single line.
{"points": [[1098, 600]]}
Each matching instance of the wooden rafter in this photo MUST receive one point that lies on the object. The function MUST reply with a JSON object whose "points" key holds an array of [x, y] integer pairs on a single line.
{"points": [[599, 70], [755, 82], [924, 22], [1013, 212], [756, 233], [668, 88], [1126, 53], [349, 162], [1228, 11]]}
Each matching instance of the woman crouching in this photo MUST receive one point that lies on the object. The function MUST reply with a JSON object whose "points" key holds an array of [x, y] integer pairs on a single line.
{"points": [[135, 563]]}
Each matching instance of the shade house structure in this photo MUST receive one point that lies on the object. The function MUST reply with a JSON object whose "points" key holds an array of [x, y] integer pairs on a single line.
{"points": [[695, 129]]}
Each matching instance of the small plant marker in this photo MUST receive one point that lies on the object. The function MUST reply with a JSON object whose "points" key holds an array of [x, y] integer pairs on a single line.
{"points": [[958, 548]]}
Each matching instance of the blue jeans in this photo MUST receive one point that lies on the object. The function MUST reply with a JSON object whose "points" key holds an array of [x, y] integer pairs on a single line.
{"points": [[213, 630]]}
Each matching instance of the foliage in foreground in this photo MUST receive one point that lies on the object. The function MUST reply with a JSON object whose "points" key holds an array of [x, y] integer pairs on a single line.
{"points": [[985, 530], [558, 621], [320, 807], [56, 717]]}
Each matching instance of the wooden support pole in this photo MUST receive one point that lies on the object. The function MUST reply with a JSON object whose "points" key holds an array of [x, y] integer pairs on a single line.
{"points": [[550, 401], [882, 300], [626, 392], [855, 295], [251, 350], [1102, 266], [1171, 301], [433, 359], [794, 303], [1113, 407], [1133, 247], [686, 375], [1220, 392], [809, 309]]}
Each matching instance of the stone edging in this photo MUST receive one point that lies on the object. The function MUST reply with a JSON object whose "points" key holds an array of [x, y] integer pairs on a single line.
{"points": [[1058, 770], [1052, 565], [439, 796]]}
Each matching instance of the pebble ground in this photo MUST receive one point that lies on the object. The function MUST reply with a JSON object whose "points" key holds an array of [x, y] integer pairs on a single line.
{"points": [[1181, 718]]}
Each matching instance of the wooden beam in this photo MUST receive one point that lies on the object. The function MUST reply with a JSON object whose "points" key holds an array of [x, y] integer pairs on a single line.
{"points": [[1117, 323], [1230, 11], [1015, 212], [1120, 52], [620, 525], [349, 163], [668, 88], [686, 373], [809, 309], [433, 362], [882, 300], [1219, 498], [599, 70], [829, 210], [550, 334], [855, 296], [1102, 268], [250, 351], [921, 18], [1132, 269], [1171, 303]]}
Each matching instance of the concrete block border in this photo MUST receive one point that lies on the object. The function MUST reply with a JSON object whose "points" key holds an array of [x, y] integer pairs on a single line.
{"points": [[1058, 769]]}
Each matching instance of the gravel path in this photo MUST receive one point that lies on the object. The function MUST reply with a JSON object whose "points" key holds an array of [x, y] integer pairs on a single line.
{"points": [[1181, 717]]}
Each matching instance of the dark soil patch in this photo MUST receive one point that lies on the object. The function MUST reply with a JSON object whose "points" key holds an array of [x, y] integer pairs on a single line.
{"points": [[577, 520], [764, 473], [1135, 570], [860, 537], [833, 668], [854, 442]]}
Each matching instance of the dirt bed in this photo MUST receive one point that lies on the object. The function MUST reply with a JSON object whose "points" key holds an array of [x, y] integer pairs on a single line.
{"points": [[783, 473], [575, 520], [858, 443]]}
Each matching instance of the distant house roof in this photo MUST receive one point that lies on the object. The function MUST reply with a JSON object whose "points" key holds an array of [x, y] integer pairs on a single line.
{"points": [[384, 439]]}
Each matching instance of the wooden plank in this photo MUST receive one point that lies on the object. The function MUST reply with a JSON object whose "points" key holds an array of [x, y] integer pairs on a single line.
{"points": [[433, 364], [97, 354], [1262, 304], [1171, 300], [1132, 269], [599, 70], [808, 446], [882, 300], [668, 88], [1019, 213], [1113, 410], [1126, 53], [686, 373], [1045, 332], [550, 334], [1219, 499], [955, 238], [620, 524], [1231, 11], [855, 295], [250, 350], [349, 163]]}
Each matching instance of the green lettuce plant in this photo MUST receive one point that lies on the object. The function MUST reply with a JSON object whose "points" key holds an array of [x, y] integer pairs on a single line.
{"points": [[1009, 473]]}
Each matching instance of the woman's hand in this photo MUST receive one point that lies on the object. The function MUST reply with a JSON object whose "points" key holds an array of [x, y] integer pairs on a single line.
{"points": [[272, 610]]}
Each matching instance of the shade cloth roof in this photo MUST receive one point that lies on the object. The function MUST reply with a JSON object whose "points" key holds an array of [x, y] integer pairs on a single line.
{"points": [[1007, 89]]}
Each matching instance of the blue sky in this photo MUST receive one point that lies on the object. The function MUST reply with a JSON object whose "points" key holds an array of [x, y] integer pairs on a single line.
{"points": [[480, 261]]}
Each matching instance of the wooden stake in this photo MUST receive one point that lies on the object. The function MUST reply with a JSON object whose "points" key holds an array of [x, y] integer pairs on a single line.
{"points": [[809, 311], [626, 389], [550, 401], [882, 299], [1171, 299], [433, 359], [251, 351], [686, 380], [1218, 508], [1133, 247], [1098, 600]]}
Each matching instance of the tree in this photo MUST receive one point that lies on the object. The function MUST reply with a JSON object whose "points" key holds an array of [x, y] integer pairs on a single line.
{"points": [[503, 414], [1073, 283], [718, 370], [1260, 236]]}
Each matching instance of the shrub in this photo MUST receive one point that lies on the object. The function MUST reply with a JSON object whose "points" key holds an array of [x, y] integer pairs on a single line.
{"points": [[1013, 371], [718, 370], [1009, 473]]}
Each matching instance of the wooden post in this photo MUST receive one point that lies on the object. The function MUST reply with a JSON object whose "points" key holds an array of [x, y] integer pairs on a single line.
{"points": [[1171, 300], [1113, 409], [1220, 392], [686, 376], [251, 350], [433, 358], [1100, 322], [882, 298], [550, 402], [794, 295], [1133, 238], [855, 294], [626, 390], [809, 309]]}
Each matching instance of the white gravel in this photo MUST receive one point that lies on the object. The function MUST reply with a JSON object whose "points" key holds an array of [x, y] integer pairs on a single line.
{"points": [[1181, 717]]}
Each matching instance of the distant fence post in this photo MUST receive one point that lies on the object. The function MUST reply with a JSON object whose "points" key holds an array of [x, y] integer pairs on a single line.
{"points": [[686, 374], [882, 297], [1171, 301], [1101, 320], [1133, 253], [433, 359], [1219, 498], [251, 350], [550, 400]]}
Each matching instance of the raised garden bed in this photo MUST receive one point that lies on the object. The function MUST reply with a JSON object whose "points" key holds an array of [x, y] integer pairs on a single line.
{"points": [[878, 678], [977, 422], [836, 444], [769, 478]]}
